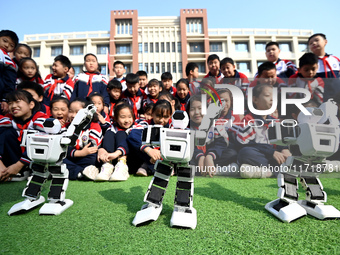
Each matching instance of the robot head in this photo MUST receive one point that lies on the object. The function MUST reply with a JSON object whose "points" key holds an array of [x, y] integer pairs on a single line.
{"points": [[52, 126], [316, 115], [180, 120]]}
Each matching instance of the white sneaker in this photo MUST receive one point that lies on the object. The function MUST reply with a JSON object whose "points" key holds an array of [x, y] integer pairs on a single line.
{"points": [[121, 172], [90, 172], [105, 172]]}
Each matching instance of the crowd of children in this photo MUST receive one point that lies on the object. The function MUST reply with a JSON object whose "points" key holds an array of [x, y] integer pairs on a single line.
{"points": [[110, 147]]}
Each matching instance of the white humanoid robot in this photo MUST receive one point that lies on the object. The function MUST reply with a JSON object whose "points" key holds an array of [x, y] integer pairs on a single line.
{"points": [[311, 141], [47, 151], [176, 147]]}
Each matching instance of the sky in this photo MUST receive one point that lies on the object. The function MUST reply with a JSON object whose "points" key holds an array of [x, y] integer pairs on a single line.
{"points": [[44, 16]]}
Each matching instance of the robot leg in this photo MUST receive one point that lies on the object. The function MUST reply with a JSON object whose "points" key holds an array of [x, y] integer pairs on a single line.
{"points": [[315, 197], [154, 195], [184, 215], [286, 207], [32, 191], [56, 196]]}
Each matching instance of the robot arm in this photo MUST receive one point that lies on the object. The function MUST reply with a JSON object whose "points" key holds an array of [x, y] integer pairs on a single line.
{"points": [[81, 120]]}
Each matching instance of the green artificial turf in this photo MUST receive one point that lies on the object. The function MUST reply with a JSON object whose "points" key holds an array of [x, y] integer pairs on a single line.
{"points": [[231, 219]]}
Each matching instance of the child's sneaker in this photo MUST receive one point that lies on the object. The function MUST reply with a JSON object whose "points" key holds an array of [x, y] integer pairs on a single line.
{"points": [[121, 172], [142, 170], [21, 176], [90, 172], [105, 172]]}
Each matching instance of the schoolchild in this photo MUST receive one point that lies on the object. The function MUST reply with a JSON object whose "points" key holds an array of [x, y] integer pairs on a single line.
{"points": [[21, 51], [60, 111], [161, 114], [307, 78], [91, 81], [267, 75], [114, 151], [24, 114], [104, 119], [256, 153], [81, 160], [182, 93], [214, 68], [114, 89], [28, 71], [154, 89], [143, 79], [191, 71], [166, 79], [58, 83], [133, 94], [232, 76], [37, 92], [119, 70], [8, 42]]}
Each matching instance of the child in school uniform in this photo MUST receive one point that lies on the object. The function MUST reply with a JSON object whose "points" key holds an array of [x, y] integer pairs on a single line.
{"points": [[114, 89], [60, 111], [28, 71], [104, 119], [21, 51], [182, 93], [24, 114], [91, 81], [154, 88]]}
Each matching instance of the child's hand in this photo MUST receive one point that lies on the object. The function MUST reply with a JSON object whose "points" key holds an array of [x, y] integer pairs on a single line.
{"points": [[286, 153], [101, 118], [154, 154], [279, 157], [7, 173], [62, 122], [87, 150], [102, 155], [4, 107], [106, 109]]}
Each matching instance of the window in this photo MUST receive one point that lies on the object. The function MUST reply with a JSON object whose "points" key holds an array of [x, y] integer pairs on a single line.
{"points": [[36, 52], [194, 25], [151, 47], [173, 47], [174, 67], [124, 26], [152, 69], [179, 47], [123, 49], [56, 50], [259, 63], [162, 47], [157, 68], [285, 47], [140, 66], [146, 67], [303, 47], [241, 46], [168, 68], [128, 68], [104, 69], [167, 47], [146, 48], [77, 69], [196, 47], [157, 47], [216, 47], [243, 66], [180, 67], [201, 67], [77, 50], [163, 67], [102, 49], [140, 47], [260, 46]]}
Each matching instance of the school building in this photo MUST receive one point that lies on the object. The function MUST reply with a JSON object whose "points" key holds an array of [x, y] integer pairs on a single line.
{"points": [[160, 44]]}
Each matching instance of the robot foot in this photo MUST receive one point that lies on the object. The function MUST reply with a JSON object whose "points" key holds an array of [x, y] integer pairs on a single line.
{"points": [[184, 217], [147, 214], [55, 208], [319, 210], [25, 206], [285, 211]]}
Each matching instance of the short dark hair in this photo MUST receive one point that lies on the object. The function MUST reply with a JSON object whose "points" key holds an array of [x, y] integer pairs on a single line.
{"points": [[25, 46], [317, 34], [257, 90], [185, 81], [114, 84], [154, 82], [59, 99], [308, 59], [213, 57], [226, 61], [166, 76], [118, 63], [11, 35], [142, 73], [271, 44], [63, 60], [266, 66], [90, 54], [31, 85], [132, 78], [191, 66], [119, 107]]}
